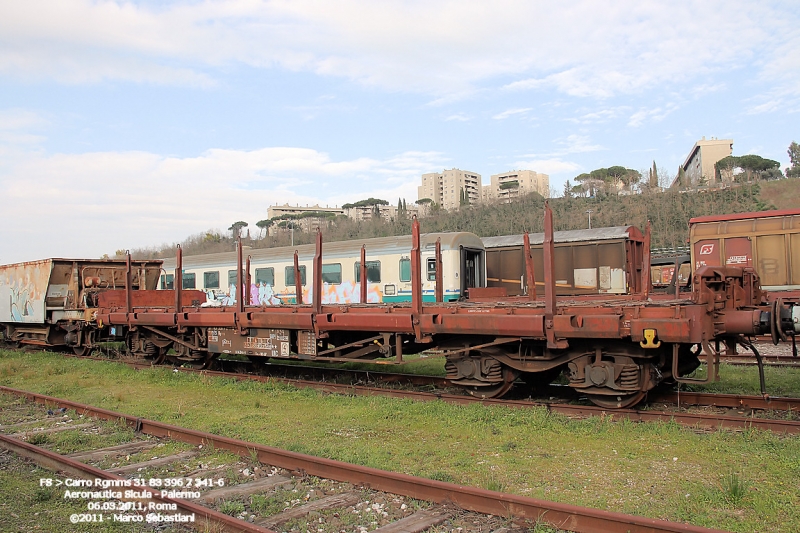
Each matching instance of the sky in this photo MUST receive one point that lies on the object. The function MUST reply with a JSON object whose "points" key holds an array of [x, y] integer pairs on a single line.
{"points": [[133, 124]]}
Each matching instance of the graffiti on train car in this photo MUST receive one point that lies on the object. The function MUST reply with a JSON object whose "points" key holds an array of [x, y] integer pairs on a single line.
{"points": [[264, 294], [23, 289]]}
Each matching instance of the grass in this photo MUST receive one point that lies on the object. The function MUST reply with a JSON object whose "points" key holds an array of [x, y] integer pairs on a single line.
{"points": [[659, 470], [737, 379]]}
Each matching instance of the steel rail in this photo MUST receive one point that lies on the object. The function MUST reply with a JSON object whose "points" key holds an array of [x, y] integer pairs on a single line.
{"points": [[58, 462], [559, 515], [732, 401], [692, 420]]}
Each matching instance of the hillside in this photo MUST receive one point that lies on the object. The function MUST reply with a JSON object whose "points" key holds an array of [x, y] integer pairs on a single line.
{"points": [[669, 213]]}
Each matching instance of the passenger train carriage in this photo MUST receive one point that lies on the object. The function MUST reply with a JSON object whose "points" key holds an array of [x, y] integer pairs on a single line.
{"points": [[272, 274]]}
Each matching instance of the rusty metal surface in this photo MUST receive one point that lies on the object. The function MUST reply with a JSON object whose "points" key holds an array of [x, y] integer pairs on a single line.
{"points": [[563, 516], [730, 400], [62, 463]]}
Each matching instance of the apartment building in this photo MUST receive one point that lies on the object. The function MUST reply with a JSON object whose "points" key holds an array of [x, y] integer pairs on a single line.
{"points": [[698, 168], [386, 212], [445, 188], [516, 183]]}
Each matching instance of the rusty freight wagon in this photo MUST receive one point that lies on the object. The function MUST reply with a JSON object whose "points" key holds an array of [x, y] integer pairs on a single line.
{"points": [[613, 348], [768, 241], [590, 261], [49, 302]]}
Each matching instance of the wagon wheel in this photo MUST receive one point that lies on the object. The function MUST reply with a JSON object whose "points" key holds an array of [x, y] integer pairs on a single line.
{"points": [[158, 357], [204, 363], [617, 401], [81, 351], [497, 390]]}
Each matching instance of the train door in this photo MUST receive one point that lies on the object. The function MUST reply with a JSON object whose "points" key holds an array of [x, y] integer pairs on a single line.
{"points": [[739, 251], [472, 269]]}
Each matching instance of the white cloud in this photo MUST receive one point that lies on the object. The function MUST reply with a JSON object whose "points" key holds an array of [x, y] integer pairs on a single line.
{"points": [[583, 49], [460, 117], [576, 144], [511, 112], [549, 166], [134, 199], [656, 115]]}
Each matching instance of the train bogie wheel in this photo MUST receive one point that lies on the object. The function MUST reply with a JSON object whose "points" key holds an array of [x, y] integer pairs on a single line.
{"points": [[81, 351], [617, 401], [496, 390]]}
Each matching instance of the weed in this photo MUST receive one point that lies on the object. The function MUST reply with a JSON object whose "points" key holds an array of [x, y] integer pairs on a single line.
{"points": [[438, 475], [254, 456], [495, 484], [275, 503], [37, 439], [231, 507], [734, 487], [508, 446], [43, 495]]}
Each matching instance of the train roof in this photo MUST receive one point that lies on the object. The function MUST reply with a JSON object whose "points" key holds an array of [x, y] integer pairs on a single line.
{"points": [[336, 249], [580, 235], [113, 261], [744, 216]]}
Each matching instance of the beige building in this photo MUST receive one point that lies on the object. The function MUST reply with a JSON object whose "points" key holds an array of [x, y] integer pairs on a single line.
{"points": [[387, 212], [699, 165], [516, 183], [445, 188]]}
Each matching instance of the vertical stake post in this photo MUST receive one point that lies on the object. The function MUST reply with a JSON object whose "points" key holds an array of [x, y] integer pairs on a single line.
{"points": [[529, 272], [177, 282], [550, 281], [298, 283], [317, 296], [239, 277], [363, 274], [439, 280], [416, 269], [128, 282], [646, 280]]}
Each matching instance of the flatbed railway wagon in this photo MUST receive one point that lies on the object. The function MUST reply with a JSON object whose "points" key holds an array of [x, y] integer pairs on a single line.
{"points": [[767, 241], [613, 348], [590, 261], [52, 302], [388, 271]]}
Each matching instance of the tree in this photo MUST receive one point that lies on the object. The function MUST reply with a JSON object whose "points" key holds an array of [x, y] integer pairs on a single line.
{"points": [[653, 181], [568, 189], [263, 225], [463, 197], [236, 228], [794, 158]]}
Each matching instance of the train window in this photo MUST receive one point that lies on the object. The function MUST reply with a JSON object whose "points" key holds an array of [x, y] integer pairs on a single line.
{"points": [[266, 276], [405, 269], [211, 280], [332, 273], [168, 281], [373, 271], [289, 273], [232, 277], [189, 280], [431, 268]]}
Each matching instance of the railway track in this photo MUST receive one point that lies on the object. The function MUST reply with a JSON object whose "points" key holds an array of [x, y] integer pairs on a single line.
{"points": [[335, 489], [715, 411]]}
